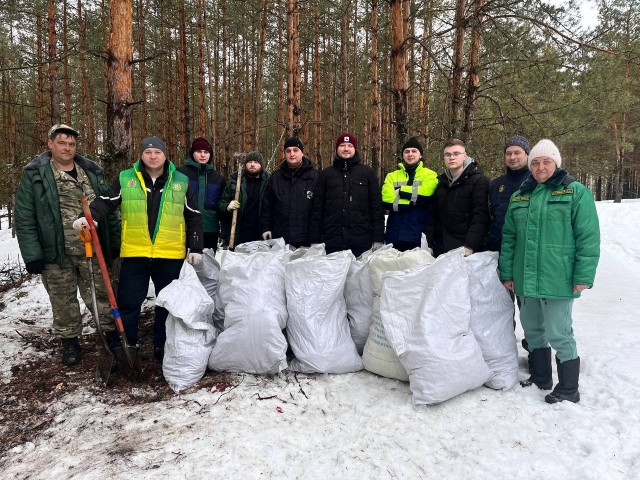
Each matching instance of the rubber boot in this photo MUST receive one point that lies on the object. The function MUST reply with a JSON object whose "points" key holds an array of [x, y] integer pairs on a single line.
{"points": [[71, 351], [567, 387], [540, 369]]}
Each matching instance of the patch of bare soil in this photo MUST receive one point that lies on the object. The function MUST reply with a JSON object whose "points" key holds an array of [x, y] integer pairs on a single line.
{"points": [[26, 401]]}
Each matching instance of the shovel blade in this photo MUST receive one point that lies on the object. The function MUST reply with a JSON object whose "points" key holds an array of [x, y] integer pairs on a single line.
{"points": [[128, 362], [104, 366]]}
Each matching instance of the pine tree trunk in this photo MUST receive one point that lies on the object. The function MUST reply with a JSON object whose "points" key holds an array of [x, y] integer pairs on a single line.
{"points": [[317, 104], [119, 79], [473, 82], [375, 128], [455, 86], [399, 70], [54, 94], [293, 68], [183, 81], [89, 137], [65, 66], [259, 73]]}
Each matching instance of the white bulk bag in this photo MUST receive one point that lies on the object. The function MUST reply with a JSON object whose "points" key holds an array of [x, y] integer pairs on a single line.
{"points": [[426, 314], [252, 294], [317, 328], [209, 274], [492, 319], [190, 332], [378, 356]]}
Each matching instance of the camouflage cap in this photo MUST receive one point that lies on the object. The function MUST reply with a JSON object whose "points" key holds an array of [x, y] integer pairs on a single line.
{"points": [[62, 128]]}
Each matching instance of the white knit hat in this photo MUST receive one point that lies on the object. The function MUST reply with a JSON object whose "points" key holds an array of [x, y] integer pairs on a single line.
{"points": [[545, 148]]}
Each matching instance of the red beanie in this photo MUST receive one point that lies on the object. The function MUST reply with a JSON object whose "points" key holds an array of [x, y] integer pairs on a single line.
{"points": [[347, 138], [201, 144]]}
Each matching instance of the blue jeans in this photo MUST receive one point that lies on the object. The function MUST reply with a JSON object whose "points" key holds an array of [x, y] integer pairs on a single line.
{"points": [[548, 322], [135, 273]]}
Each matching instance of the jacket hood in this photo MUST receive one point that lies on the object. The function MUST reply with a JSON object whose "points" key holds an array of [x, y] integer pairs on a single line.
{"points": [[470, 168]]}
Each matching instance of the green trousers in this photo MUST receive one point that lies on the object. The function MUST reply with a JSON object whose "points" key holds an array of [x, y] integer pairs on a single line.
{"points": [[548, 322], [62, 285]]}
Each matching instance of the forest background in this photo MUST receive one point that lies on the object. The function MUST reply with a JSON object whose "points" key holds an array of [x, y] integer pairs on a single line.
{"points": [[248, 73]]}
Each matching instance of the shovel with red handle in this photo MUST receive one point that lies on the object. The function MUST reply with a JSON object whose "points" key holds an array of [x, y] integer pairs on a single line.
{"points": [[126, 355], [105, 357]]}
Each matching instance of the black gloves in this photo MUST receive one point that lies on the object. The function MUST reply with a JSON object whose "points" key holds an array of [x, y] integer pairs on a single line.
{"points": [[35, 267]]}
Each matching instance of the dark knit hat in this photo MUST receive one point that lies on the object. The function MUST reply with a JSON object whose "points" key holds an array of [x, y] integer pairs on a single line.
{"points": [[254, 157], [153, 142], [518, 141], [201, 143], [413, 143], [347, 138], [294, 142]]}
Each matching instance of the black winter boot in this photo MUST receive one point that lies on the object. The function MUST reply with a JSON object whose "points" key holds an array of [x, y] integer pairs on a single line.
{"points": [[540, 369], [567, 387], [71, 351]]}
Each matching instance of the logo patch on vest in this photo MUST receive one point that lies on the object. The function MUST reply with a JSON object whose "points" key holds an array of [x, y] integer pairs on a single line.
{"points": [[177, 187], [131, 184], [524, 198], [501, 188], [566, 191]]}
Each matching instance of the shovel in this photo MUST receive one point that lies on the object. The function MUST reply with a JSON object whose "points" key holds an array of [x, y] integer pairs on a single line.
{"points": [[105, 357], [126, 355]]}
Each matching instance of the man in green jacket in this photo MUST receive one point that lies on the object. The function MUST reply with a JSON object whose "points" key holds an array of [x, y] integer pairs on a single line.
{"points": [[550, 252], [47, 204]]}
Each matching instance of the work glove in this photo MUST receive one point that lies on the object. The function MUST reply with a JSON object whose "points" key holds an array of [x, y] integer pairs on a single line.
{"points": [[194, 259], [80, 222], [233, 205], [376, 246], [468, 251], [266, 235], [35, 267]]}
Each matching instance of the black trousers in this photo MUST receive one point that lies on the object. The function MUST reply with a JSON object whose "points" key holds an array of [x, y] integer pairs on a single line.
{"points": [[135, 274]]}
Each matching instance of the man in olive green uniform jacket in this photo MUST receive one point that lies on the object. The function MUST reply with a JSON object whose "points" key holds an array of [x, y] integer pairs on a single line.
{"points": [[47, 203], [550, 251]]}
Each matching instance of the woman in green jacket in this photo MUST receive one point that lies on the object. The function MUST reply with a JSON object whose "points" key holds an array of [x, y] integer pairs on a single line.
{"points": [[550, 251]]}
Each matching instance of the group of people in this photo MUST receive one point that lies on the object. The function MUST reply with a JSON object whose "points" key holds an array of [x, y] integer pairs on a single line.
{"points": [[156, 214]]}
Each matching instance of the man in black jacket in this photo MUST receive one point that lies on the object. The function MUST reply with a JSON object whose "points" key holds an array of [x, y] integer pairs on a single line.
{"points": [[516, 151], [461, 213], [286, 209], [347, 203]]}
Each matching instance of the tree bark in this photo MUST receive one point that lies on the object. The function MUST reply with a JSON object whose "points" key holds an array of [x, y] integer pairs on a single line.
{"points": [[399, 70], [293, 68], [54, 94], [473, 81], [375, 120], [455, 84], [119, 80]]}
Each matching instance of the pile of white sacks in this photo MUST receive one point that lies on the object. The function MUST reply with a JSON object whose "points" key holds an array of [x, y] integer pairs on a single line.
{"points": [[445, 325]]}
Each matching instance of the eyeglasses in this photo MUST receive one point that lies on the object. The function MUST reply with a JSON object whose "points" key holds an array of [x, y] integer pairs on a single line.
{"points": [[453, 155]]}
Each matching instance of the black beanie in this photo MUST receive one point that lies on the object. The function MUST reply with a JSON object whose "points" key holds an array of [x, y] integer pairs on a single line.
{"points": [[255, 157], [294, 142], [412, 143]]}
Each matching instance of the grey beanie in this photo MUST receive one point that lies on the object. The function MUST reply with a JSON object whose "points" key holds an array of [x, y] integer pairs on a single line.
{"points": [[255, 157], [518, 141], [153, 142]]}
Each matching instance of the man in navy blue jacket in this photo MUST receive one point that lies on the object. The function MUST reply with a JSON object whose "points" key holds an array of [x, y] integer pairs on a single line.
{"points": [[516, 150]]}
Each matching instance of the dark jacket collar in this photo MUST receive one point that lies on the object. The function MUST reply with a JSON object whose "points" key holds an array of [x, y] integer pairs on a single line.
{"points": [[342, 164], [558, 178], [45, 157]]}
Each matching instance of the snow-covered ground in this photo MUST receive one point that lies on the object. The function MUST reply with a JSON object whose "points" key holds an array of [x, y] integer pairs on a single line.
{"points": [[360, 425]]}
